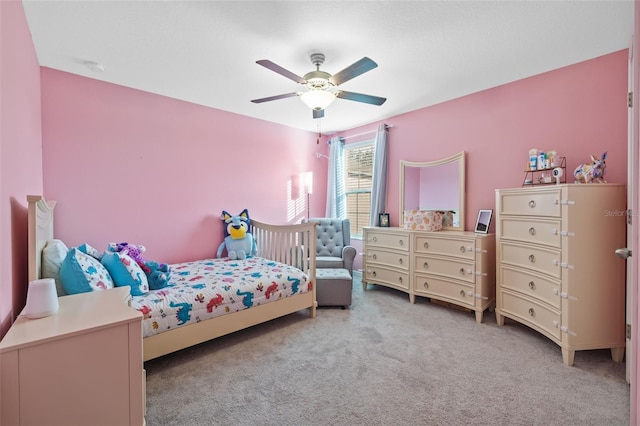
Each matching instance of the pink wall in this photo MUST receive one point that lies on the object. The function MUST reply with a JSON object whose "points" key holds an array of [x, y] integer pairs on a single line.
{"points": [[126, 165], [578, 110], [20, 154]]}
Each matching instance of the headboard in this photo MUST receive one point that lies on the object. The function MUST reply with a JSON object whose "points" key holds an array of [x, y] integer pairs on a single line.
{"points": [[40, 231]]}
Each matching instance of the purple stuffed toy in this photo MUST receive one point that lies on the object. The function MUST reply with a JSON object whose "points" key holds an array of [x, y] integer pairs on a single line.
{"points": [[157, 273], [131, 250]]}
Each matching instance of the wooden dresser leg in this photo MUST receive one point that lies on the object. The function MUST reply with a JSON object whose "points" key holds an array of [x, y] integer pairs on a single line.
{"points": [[479, 317], [364, 285], [412, 298], [499, 319], [617, 354], [567, 357]]}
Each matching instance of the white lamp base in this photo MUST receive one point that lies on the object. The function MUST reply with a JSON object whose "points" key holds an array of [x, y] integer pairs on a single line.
{"points": [[42, 299]]}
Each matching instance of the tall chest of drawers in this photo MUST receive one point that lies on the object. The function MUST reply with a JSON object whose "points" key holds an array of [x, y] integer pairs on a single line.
{"points": [[454, 267], [556, 268]]}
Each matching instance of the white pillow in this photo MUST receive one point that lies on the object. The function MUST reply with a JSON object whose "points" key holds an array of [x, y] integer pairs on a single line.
{"points": [[53, 254]]}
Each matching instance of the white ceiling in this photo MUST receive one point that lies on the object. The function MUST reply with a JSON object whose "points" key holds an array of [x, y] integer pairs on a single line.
{"points": [[427, 51]]}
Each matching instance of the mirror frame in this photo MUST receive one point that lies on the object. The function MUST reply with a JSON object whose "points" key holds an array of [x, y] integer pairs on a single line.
{"points": [[460, 157]]}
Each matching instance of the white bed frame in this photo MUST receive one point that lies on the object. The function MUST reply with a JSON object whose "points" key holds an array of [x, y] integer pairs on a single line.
{"points": [[282, 243]]}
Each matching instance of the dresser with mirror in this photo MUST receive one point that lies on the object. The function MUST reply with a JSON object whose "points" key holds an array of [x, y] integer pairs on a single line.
{"points": [[451, 265]]}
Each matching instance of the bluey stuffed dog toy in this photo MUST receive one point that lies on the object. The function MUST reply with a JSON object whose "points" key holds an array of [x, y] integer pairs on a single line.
{"points": [[237, 239]]}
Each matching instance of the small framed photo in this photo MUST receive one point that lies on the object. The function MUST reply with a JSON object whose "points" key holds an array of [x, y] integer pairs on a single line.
{"points": [[383, 220], [483, 222]]}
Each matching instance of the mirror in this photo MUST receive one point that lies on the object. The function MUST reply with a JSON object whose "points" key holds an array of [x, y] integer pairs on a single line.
{"points": [[434, 185]]}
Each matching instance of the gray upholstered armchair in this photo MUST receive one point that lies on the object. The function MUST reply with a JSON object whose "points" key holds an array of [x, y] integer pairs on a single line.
{"points": [[333, 249]]}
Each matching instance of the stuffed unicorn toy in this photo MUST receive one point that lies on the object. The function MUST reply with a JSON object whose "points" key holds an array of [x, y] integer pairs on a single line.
{"points": [[587, 173]]}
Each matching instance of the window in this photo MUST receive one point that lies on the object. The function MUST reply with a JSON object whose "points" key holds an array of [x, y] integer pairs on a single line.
{"points": [[358, 178]]}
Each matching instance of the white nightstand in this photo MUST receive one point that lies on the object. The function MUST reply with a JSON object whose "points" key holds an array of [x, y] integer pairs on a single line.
{"points": [[80, 366]]}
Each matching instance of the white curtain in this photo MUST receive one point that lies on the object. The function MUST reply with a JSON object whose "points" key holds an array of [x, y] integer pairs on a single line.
{"points": [[335, 183], [379, 184]]}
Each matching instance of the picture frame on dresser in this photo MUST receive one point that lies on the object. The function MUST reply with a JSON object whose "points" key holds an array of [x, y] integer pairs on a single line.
{"points": [[483, 222], [383, 220]]}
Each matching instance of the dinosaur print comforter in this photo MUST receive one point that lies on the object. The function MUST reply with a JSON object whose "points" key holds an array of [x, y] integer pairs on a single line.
{"points": [[209, 288]]}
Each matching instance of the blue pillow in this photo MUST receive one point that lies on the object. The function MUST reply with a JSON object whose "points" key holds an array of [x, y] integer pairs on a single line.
{"points": [[126, 272], [81, 273]]}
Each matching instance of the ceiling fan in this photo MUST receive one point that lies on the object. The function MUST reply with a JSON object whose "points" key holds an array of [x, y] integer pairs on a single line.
{"points": [[322, 87]]}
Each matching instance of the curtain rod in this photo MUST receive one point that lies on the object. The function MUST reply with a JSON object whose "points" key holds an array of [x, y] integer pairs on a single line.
{"points": [[388, 126]]}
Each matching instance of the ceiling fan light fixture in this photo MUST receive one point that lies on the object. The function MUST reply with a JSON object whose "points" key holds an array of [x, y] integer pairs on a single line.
{"points": [[318, 99], [322, 87]]}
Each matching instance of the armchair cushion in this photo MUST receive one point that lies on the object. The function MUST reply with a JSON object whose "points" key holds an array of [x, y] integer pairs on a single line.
{"points": [[329, 262]]}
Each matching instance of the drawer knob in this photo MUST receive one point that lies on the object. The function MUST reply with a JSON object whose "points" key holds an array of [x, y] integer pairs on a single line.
{"points": [[532, 312], [400, 280], [532, 203], [426, 245], [401, 242], [373, 273], [461, 271], [425, 265], [532, 258], [426, 284], [375, 256], [532, 285], [400, 261], [532, 231], [461, 293], [462, 249]]}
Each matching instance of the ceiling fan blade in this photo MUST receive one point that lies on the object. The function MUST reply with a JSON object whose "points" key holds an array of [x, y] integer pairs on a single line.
{"points": [[277, 68], [359, 97], [318, 113], [275, 98], [363, 65]]}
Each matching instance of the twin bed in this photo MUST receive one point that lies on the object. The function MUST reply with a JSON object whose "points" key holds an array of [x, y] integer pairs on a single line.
{"points": [[209, 298]]}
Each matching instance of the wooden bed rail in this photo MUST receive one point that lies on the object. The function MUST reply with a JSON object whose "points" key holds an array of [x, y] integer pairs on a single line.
{"points": [[287, 244]]}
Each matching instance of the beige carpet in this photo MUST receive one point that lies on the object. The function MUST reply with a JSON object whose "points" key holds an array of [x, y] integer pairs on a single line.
{"points": [[385, 362]]}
